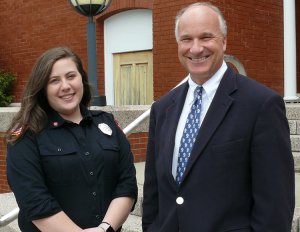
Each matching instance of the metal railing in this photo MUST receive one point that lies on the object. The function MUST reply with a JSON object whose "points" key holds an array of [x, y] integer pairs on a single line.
{"points": [[8, 218], [12, 215], [143, 116]]}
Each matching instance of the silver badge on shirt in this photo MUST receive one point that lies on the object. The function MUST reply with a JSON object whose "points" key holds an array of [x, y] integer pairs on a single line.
{"points": [[105, 129]]}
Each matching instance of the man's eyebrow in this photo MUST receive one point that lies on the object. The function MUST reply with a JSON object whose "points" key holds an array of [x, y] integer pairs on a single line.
{"points": [[208, 34]]}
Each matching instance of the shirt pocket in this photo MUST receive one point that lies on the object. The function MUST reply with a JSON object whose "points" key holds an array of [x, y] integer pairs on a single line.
{"points": [[110, 154], [62, 166], [109, 145]]}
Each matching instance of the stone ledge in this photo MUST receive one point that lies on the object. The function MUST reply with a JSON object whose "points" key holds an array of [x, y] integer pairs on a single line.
{"points": [[126, 114], [293, 111], [123, 114], [293, 126], [295, 143], [297, 161]]}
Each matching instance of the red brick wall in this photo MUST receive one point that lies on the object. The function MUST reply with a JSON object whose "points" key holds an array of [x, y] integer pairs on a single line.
{"points": [[255, 37], [138, 143], [3, 180], [28, 28]]}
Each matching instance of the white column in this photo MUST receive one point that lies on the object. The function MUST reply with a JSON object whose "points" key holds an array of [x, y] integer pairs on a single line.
{"points": [[290, 78]]}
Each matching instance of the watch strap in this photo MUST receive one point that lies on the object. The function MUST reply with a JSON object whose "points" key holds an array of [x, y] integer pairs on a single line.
{"points": [[106, 227]]}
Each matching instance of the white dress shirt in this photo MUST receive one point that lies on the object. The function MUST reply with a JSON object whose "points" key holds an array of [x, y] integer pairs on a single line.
{"points": [[208, 93]]}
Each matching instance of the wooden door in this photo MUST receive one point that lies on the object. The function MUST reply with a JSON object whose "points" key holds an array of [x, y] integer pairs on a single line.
{"points": [[133, 78]]}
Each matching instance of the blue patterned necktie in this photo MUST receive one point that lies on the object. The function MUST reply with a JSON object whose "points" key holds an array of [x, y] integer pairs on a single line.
{"points": [[189, 135]]}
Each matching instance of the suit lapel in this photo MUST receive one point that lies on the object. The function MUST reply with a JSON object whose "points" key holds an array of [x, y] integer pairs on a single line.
{"points": [[214, 116], [173, 112]]}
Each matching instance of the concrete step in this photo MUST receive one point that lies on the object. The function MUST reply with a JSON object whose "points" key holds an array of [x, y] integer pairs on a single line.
{"points": [[138, 206], [297, 161], [133, 224], [134, 221], [295, 142], [9, 228], [296, 220], [293, 111]]}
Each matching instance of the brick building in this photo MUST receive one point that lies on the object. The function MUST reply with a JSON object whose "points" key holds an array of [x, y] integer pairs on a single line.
{"points": [[28, 28]]}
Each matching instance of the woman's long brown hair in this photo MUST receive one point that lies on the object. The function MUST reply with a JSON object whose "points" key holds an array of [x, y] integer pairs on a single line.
{"points": [[32, 114]]}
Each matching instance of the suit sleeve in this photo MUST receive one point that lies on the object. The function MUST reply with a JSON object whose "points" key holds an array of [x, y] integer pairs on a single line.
{"points": [[150, 200], [272, 167]]}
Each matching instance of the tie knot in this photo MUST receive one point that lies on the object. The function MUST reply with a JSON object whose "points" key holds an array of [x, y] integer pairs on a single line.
{"points": [[198, 92]]}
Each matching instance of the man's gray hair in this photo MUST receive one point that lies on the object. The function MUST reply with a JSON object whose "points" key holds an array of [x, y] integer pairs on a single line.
{"points": [[222, 21]]}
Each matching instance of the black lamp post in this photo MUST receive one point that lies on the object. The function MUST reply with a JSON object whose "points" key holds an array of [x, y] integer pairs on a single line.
{"points": [[92, 8]]}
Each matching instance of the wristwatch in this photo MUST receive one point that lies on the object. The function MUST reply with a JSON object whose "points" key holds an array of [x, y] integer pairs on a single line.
{"points": [[106, 227]]}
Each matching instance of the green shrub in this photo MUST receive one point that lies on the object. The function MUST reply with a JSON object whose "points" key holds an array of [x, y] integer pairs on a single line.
{"points": [[6, 82]]}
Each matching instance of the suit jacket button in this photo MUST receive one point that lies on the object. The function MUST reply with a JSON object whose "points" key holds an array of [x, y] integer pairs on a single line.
{"points": [[179, 200]]}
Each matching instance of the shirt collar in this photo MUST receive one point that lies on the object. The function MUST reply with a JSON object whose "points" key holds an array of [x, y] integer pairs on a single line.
{"points": [[210, 86], [55, 120]]}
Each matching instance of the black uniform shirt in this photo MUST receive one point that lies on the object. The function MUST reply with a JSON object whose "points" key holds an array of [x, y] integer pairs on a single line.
{"points": [[73, 168]]}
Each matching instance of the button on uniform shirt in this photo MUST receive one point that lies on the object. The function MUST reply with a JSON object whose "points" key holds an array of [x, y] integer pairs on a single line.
{"points": [[75, 168], [208, 93]]}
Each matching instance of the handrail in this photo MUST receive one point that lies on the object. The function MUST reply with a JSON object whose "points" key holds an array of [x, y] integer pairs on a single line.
{"points": [[12, 215], [8, 218], [136, 122], [143, 116]]}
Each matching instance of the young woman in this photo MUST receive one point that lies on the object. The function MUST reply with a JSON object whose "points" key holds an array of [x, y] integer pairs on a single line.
{"points": [[71, 169]]}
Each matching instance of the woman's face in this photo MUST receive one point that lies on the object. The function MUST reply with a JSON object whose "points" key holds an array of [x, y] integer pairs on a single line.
{"points": [[64, 89]]}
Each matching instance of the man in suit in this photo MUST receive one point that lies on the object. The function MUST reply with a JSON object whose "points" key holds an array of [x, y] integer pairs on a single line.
{"points": [[239, 174]]}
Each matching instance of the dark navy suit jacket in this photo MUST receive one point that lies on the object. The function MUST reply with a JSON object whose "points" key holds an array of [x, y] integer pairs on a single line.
{"points": [[240, 176]]}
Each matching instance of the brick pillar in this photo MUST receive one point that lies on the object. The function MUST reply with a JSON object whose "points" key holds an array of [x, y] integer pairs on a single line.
{"points": [[3, 180]]}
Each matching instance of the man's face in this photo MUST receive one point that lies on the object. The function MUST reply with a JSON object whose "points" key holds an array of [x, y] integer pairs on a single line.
{"points": [[201, 44]]}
